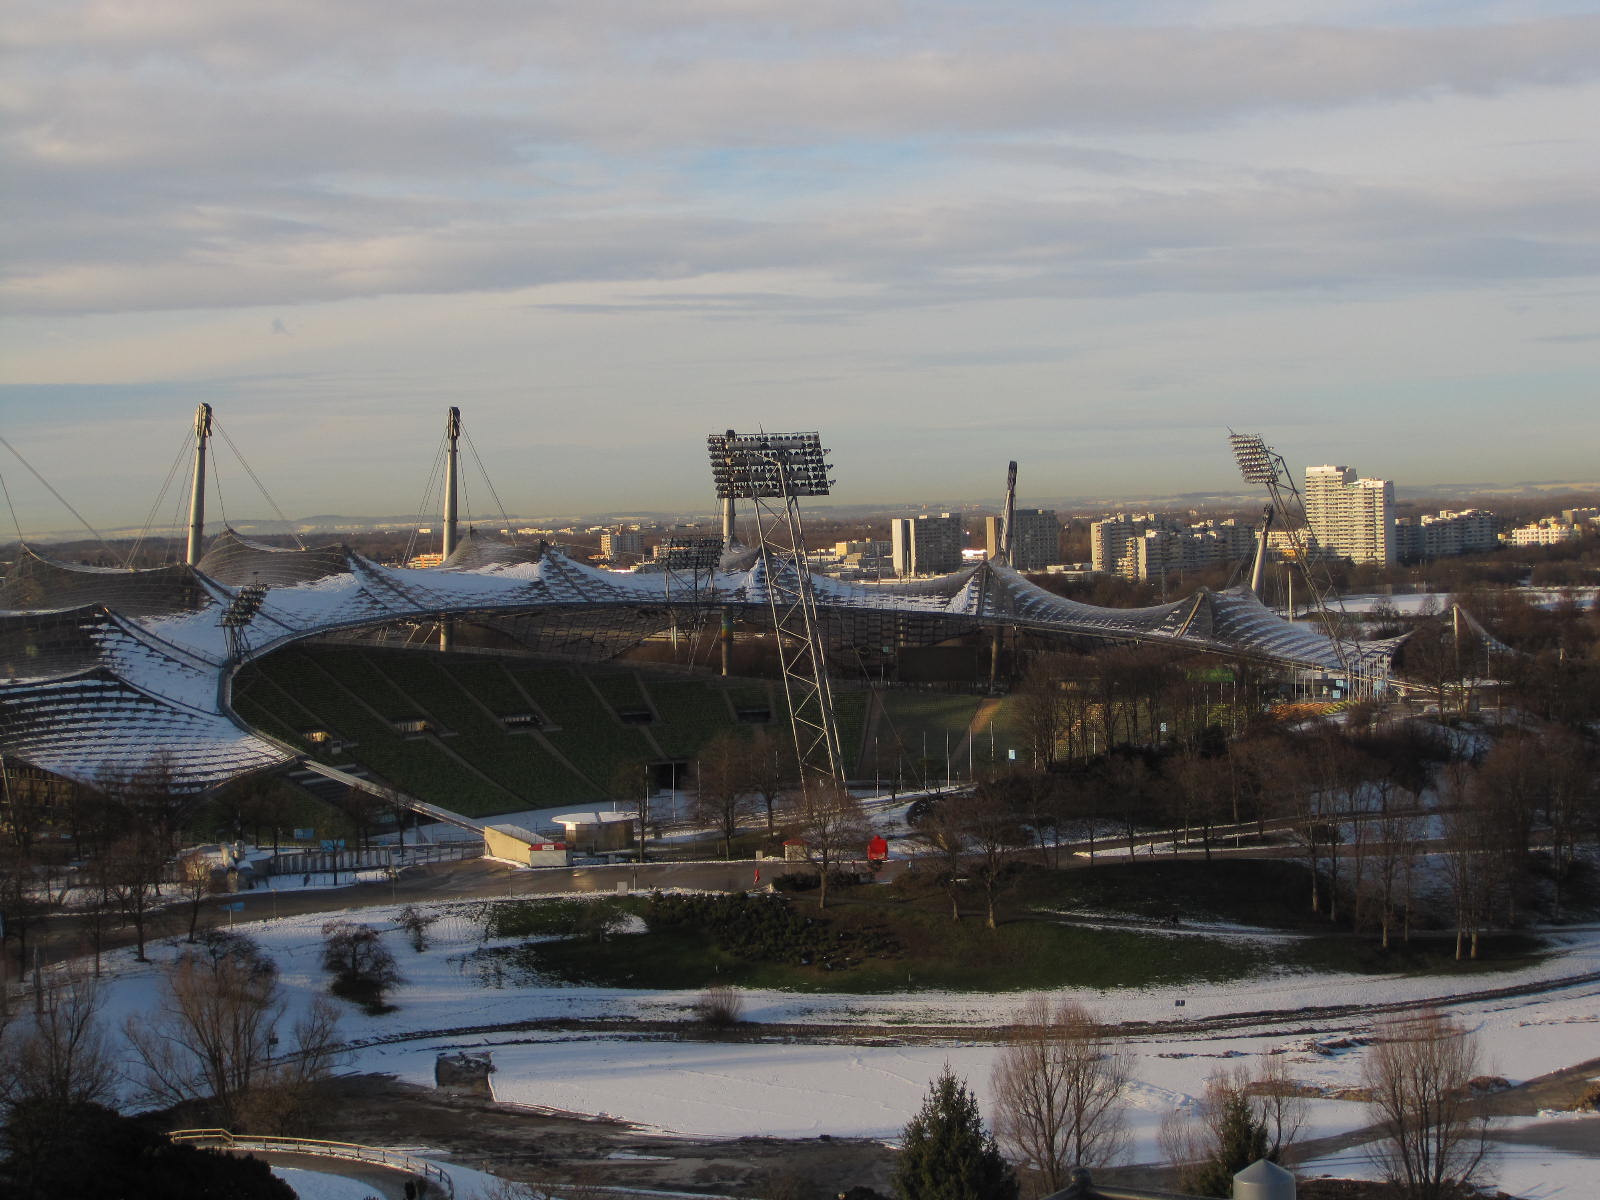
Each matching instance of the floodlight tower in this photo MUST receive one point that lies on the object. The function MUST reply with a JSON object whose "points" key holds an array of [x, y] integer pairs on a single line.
{"points": [[1259, 463], [772, 471], [197, 492]]}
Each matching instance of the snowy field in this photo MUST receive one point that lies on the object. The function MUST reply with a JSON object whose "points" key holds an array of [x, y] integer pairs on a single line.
{"points": [[802, 1090]]}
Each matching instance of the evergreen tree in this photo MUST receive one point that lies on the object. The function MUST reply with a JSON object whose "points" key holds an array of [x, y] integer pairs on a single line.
{"points": [[1241, 1139], [947, 1154]]}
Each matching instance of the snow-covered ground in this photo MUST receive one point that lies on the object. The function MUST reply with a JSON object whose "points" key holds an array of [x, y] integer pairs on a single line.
{"points": [[732, 1089]]}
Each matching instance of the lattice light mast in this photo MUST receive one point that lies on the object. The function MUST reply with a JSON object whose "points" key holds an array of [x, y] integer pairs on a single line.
{"points": [[772, 471], [1259, 463]]}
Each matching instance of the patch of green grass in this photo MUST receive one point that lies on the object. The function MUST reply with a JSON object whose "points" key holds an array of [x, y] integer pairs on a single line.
{"points": [[937, 953], [1270, 893], [555, 917], [1429, 954]]}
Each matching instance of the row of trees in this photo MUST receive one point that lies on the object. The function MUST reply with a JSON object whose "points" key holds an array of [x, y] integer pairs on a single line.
{"points": [[1060, 1097], [1366, 806]]}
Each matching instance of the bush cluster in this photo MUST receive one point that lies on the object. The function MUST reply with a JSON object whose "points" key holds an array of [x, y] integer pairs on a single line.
{"points": [[766, 929]]}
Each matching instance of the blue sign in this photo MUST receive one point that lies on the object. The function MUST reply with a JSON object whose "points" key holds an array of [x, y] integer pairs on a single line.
{"points": [[236, 906], [332, 844]]}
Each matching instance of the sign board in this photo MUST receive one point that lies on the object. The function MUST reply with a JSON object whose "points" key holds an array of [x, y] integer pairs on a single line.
{"points": [[330, 845], [236, 906], [1012, 755], [305, 835], [877, 850]]}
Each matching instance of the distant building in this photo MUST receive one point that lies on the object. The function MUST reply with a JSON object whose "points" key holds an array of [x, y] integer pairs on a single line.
{"points": [[1152, 545], [1442, 536], [619, 544], [1350, 517], [926, 545], [1547, 531], [1035, 542]]}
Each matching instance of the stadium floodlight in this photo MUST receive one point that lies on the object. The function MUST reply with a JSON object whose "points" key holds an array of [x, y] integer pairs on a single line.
{"points": [[768, 465], [690, 554], [1256, 462]]}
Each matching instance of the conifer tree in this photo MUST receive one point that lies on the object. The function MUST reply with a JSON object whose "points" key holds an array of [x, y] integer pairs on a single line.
{"points": [[946, 1152]]}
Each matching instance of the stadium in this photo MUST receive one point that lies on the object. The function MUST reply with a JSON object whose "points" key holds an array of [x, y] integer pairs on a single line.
{"points": [[254, 658]]}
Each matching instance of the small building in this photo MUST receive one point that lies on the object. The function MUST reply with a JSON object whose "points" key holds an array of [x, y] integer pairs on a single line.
{"points": [[596, 832], [524, 847]]}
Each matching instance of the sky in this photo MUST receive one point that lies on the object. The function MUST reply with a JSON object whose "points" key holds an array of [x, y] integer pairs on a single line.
{"points": [[1089, 235]]}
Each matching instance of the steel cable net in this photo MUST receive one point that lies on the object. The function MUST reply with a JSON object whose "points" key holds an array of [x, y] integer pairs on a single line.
{"points": [[237, 561], [36, 583]]}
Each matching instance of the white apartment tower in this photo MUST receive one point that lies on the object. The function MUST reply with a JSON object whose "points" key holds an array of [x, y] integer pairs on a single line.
{"points": [[926, 545], [1351, 517]]}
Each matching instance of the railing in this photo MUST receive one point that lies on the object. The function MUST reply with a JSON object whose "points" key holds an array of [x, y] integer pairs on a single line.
{"points": [[223, 1140]]}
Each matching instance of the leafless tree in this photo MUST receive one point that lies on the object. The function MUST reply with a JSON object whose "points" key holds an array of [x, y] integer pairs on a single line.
{"points": [[194, 880], [993, 834], [214, 1032], [722, 785], [1220, 1135], [1434, 1130], [770, 770], [829, 820], [58, 1055], [1281, 1101], [131, 868], [1041, 714], [944, 835], [1470, 858], [1057, 1086]]}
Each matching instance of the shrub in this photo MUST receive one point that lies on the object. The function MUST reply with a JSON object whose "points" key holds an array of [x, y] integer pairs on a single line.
{"points": [[719, 1007], [415, 923], [362, 967]]}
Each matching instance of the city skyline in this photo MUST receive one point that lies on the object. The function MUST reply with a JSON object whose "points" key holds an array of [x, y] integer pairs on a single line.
{"points": [[943, 235]]}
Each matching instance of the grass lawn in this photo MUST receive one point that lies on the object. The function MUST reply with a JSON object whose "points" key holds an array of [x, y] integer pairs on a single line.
{"points": [[1031, 949]]}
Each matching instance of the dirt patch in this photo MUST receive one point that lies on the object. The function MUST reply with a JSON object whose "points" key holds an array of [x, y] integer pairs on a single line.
{"points": [[535, 1146]]}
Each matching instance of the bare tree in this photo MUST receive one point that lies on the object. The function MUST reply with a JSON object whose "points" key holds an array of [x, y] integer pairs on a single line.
{"points": [[944, 834], [1057, 1086], [214, 1032], [829, 820], [722, 783], [194, 880], [993, 833], [58, 1055], [770, 768], [1041, 715], [1224, 1132], [1469, 854], [1434, 1130], [1281, 1102], [131, 868]]}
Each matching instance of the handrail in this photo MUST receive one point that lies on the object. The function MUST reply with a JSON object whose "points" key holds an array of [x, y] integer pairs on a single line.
{"points": [[352, 1151]]}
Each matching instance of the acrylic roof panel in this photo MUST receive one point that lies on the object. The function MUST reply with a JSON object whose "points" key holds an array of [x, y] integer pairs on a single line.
{"points": [[102, 669]]}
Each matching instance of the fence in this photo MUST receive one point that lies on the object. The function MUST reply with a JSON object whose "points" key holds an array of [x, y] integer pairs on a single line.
{"points": [[313, 861], [221, 1139]]}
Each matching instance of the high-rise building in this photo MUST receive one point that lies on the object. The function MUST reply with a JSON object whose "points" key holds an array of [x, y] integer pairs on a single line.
{"points": [[1035, 542], [926, 545], [619, 544], [1350, 517]]}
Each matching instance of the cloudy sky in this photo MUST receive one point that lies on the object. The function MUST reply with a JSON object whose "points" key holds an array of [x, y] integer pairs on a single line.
{"points": [[1087, 235]]}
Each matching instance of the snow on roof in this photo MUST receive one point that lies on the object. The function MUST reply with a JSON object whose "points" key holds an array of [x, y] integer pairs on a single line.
{"points": [[100, 667]]}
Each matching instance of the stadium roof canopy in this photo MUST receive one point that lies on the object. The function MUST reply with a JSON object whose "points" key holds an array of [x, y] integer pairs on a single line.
{"points": [[102, 670]]}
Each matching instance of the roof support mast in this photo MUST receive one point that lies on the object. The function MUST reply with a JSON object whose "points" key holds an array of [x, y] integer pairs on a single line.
{"points": [[452, 435], [197, 492]]}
